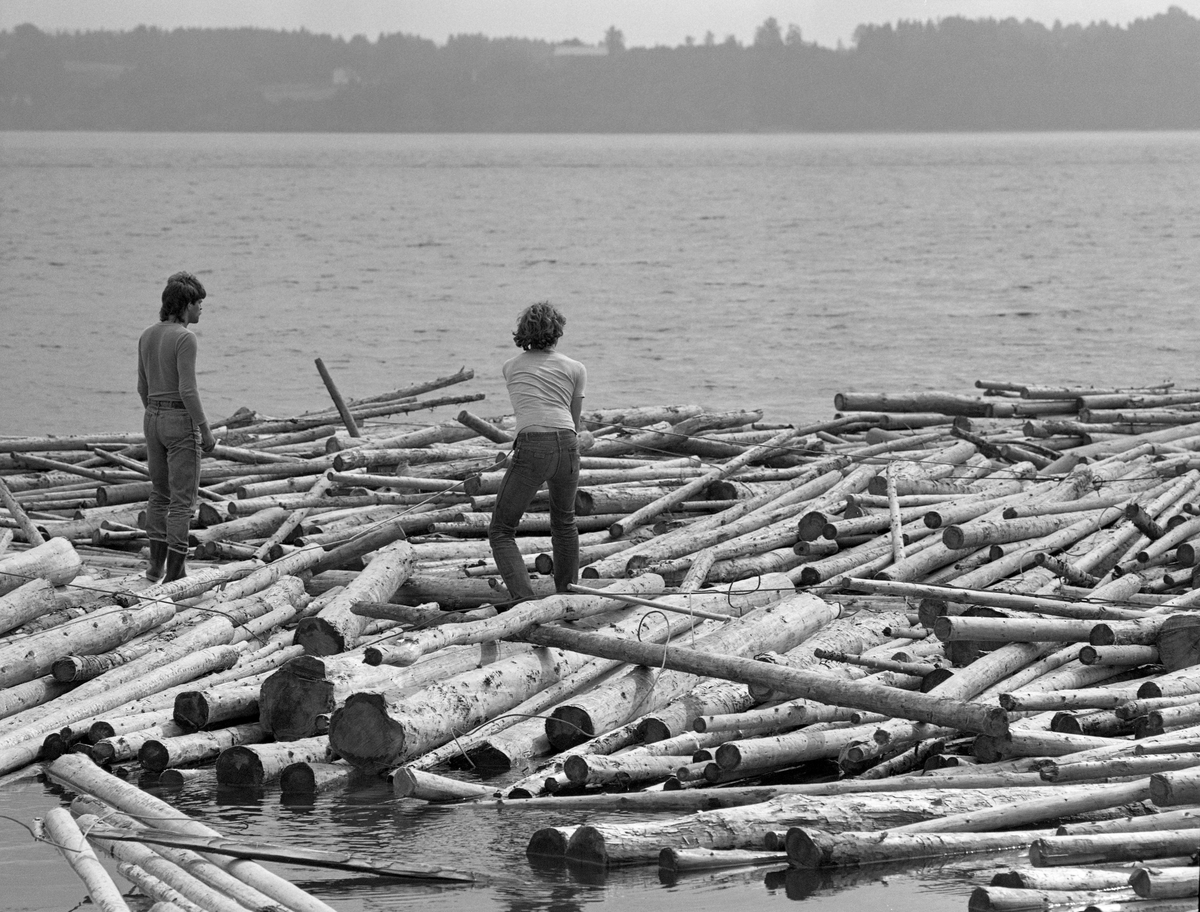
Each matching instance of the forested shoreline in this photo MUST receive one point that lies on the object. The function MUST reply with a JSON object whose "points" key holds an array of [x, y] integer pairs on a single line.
{"points": [[954, 74]]}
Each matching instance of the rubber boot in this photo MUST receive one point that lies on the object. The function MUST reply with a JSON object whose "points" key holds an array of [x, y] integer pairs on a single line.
{"points": [[176, 566], [158, 561]]}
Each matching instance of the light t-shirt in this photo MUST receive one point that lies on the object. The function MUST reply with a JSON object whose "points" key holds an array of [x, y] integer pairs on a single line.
{"points": [[541, 385]]}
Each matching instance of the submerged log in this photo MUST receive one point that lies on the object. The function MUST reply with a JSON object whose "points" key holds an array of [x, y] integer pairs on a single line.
{"points": [[249, 765], [157, 754], [745, 827], [809, 847]]}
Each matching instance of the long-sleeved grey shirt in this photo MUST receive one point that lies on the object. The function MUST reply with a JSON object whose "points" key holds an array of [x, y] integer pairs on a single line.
{"points": [[167, 367]]}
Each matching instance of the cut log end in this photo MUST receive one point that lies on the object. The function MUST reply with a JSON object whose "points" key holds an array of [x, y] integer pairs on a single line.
{"points": [[587, 846], [319, 637], [154, 757], [802, 849], [362, 733], [548, 842], [239, 767], [568, 726]]}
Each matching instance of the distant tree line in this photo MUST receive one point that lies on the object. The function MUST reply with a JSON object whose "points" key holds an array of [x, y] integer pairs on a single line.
{"points": [[954, 74]]}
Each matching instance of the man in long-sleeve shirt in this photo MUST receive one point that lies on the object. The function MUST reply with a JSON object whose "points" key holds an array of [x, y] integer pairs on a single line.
{"points": [[174, 424]]}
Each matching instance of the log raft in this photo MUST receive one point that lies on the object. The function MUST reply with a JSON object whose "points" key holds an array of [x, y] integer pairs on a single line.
{"points": [[1040, 542]]}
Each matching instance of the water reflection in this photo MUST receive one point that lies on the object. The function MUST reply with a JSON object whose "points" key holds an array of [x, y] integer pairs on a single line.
{"points": [[368, 821]]}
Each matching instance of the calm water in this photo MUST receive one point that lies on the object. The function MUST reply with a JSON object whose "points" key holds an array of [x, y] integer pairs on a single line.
{"points": [[733, 271]]}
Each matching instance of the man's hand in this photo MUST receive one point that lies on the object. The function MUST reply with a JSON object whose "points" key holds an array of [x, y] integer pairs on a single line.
{"points": [[585, 439], [208, 442]]}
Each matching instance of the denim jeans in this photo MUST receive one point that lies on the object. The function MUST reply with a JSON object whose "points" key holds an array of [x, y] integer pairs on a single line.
{"points": [[173, 457], [538, 456]]}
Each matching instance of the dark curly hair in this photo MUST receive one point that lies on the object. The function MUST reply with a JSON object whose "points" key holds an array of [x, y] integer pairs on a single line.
{"points": [[540, 326], [183, 289]]}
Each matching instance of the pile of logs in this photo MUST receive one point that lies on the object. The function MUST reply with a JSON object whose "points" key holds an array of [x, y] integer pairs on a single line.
{"points": [[932, 626]]}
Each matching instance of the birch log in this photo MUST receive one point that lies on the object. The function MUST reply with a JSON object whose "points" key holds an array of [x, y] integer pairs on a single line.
{"points": [[33, 656], [375, 733], [557, 607], [822, 688], [337, 628], [61, 831], [83, 776], [55, 561], [745, 827], [777, 627]]}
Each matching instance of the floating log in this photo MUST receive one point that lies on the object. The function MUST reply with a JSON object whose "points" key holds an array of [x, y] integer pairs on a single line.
{"points": [[157, 754], [310, 777], [1006, 899], [408, 782], [295, 855], [250, 765], [745, 827], [160, 878], [1110, 848], [60, 830], [809, 847], [83, 776], [1165, 883]]}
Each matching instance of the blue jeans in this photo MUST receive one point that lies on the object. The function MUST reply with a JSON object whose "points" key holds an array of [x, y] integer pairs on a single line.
{"points": [[173, 457], [538, 456]]}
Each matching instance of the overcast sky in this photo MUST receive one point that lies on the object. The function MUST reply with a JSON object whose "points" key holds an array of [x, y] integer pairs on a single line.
{"points": [[643, 22]]}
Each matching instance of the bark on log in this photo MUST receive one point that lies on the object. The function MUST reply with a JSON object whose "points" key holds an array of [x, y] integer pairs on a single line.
{"points": [[337, 628], [63, 833], [20, 744], [541, 611], [31, 657], [1025, 878], [408, 782], [251, 765], [1165, 883], [83, 776], [1005, 899], [30, 600], [873, 698], [310, 777], [1108, 848], [375, 733], [197, 710], [779, 626], [1058, 770], [643, 515], [55, 561], [292, 699], [809, 847], [745, 827], [157, 754]]}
